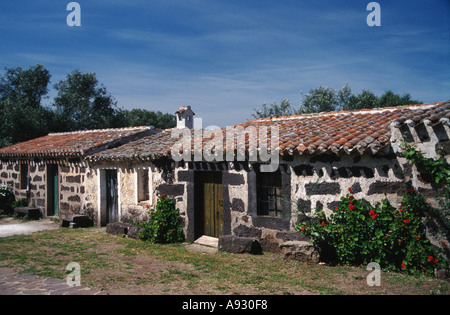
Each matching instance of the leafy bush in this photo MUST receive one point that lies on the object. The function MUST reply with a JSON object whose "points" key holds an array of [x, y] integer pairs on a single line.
{"points": [[164, 225], [437, 172], [6, 199], [20, 203], [359, 233]]}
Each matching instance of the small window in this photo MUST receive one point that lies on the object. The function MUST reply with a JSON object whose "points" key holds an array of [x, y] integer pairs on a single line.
{"points": [[269, 194], [24, 178], [188, 118], [143, 185]]}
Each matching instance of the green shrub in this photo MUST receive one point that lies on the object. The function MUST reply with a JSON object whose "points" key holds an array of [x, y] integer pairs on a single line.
{"points": [[6, 199], [164, 225], [20, 203], [359, 233], [437, 172]]}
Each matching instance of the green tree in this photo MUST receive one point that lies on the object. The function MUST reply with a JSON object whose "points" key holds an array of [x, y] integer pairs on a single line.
{"points": [[21, 93], [325, 99], [83, 104], [390, 99], [321, 99], [365, 99], [344, 97], [143, 117], [284, 109]]}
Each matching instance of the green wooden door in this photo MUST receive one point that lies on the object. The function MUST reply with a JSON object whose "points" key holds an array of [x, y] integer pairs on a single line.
{"points": [[212, 204], [55, 191], [52, 190]]}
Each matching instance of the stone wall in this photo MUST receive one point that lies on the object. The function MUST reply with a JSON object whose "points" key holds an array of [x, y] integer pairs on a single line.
{"points": [[10, 175], [72, 190], [312, 183], [131, 209], [72, 178]]}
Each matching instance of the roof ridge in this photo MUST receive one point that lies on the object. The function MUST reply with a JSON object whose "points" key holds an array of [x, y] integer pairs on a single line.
{"points": [[349, 112], [102, 130]]}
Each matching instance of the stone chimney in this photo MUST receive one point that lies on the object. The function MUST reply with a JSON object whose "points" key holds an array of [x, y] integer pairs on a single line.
{"points": [[185, 117]]}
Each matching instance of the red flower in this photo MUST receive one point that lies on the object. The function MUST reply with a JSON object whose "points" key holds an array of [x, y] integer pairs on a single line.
{"points": [[323, 223], [351, 207], [435, 261], [443, 244], [350, 189], [372, 214], [406, 221], [430, 258], [403, 265], [164, 195], [417, 238], [351, 196], [304, 228]]}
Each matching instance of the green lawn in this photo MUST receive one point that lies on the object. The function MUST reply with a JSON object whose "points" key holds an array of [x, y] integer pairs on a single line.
{"points": [[128, 266]]}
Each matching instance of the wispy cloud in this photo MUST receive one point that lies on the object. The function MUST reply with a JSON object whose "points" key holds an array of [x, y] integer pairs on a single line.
{"points": [[227, 57]]}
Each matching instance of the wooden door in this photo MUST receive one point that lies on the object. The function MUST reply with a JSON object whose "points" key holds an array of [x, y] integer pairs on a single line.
{"points": [[52, 190], [112, 208], [211, 186]]}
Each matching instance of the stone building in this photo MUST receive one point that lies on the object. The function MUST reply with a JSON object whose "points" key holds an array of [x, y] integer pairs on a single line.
{"points": [[320, 157], [50, 172], [220, 183]]}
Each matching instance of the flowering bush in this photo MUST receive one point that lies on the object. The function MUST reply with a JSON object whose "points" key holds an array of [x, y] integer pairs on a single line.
{"points": [[6, 199], [164, 225], [359, 233]]}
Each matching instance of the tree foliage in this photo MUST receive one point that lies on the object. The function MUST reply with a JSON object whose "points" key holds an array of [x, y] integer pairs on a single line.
{"points": [[284, 109], [81, 103], [326, 99], [143, 117], [21, 93]]}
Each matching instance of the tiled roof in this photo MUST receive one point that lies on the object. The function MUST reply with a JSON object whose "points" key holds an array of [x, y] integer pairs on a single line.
{"points": [[346, 131], [147, 148], [79, 143], [343, 132]]}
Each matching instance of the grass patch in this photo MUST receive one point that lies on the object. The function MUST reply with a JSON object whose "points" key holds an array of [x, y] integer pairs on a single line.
{"points": [[131, 266]]}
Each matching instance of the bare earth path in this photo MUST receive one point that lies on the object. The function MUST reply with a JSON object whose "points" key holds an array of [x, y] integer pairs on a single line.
{"points": [[10, 226], [12, 283]]}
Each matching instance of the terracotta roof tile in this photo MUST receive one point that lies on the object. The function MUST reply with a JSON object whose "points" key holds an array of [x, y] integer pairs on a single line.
{"points": [[342, 132], [77, 143]]}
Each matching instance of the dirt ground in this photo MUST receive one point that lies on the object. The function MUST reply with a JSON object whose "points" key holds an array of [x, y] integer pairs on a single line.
{"points": [[11, 226], [117, 265]]}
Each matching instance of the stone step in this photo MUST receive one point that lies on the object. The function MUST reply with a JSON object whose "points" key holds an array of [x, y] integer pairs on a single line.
{"points": [[75, 221], [27, 213], [208, 241]]}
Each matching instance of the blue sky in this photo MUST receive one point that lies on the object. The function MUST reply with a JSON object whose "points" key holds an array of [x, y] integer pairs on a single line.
{"points": [[224, 58]]}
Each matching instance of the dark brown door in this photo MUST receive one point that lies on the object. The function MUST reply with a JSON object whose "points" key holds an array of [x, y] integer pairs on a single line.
{"points": [[210, 218], [112, 208]]}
